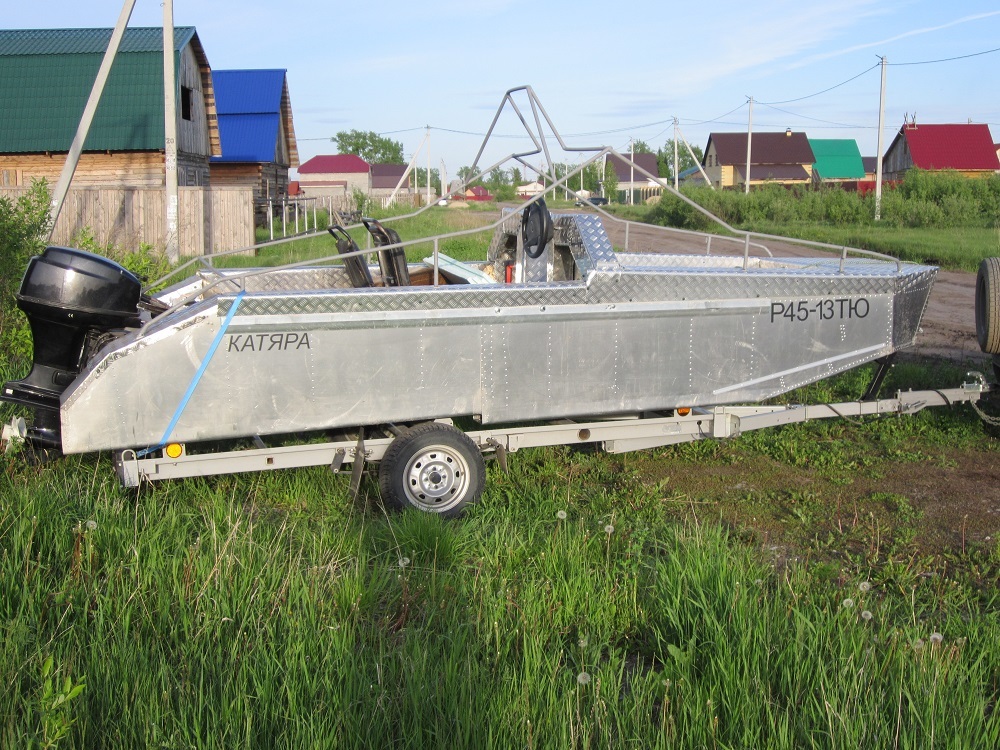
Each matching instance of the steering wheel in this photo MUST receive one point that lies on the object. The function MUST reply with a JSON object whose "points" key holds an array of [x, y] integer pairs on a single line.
{"points": [[536, 228]]}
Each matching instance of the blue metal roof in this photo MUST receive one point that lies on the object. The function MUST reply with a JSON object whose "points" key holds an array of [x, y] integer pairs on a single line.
{"points": [[249, 106], [248, 138], [245, 92]]}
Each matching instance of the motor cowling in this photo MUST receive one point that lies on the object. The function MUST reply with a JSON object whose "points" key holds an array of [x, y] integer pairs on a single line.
{"points": [[74, 301]]}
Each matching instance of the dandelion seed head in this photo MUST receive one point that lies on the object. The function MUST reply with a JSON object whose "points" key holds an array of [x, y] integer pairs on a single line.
{"points": [[936, 638], [866, 615], [91, 525], [847, 603], [561, 515], [609, 529], [582, 643], [865, 586], [759, 582], [583, 678], [918, 644], [403, 562]]}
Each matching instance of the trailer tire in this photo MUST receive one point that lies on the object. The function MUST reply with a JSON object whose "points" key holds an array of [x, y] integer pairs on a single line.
{"points": [[988, 305], [432, 467]]}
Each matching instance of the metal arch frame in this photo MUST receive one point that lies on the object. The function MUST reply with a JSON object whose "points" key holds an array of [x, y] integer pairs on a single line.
{"points": [[540, 143]]}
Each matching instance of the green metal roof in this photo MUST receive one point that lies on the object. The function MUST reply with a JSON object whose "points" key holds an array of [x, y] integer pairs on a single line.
{"points": [[837, 159], [46, 76]]}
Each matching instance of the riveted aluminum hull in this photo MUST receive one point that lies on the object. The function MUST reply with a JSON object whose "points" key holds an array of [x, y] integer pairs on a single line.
{"points": [[581, 331]]}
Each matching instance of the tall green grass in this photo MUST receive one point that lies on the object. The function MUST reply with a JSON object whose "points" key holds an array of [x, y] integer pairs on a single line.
{"points": [[943, 218], [568, 609]]}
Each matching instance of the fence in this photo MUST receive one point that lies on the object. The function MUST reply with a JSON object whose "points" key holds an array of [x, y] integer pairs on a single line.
{"points": [[208, 219], [289, 216]]}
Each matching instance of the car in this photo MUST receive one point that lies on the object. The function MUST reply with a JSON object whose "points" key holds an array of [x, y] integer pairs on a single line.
{"points": [[595, 200]]}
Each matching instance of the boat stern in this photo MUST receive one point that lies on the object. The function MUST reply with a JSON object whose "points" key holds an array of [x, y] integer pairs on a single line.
{"points": [[913, 289]]}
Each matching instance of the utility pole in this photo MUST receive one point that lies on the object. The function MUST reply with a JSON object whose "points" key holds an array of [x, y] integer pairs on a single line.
{"points": [[428, 165], [170, 131], [676, 163], [746, 179], [631, 167], [878, 157], [76, 148]]}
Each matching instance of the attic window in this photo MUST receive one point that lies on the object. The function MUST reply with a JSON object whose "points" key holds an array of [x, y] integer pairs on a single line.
{"points": [[186, 103]]}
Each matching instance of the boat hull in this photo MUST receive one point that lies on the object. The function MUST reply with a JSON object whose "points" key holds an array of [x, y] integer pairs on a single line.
{"points": [[633, 334]]}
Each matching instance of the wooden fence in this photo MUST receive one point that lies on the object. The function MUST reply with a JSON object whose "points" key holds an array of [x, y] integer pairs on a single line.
{"points": [[208, 219]]}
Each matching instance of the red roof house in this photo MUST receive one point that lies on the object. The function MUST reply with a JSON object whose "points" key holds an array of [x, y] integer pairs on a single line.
{"points": [[336, 174], [965, 148], [478, 193]]}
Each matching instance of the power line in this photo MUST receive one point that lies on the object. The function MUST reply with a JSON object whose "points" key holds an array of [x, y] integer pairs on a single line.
{"points": [[948, 59], [837, 86], [717, 119], [806, 117]]}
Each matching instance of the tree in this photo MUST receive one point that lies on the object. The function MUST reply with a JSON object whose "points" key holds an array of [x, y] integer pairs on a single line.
{"points": [[420, 178], [515, 177], [591, 178], [641, 147], [665, 158], [610, 181], [370, 146], [497, 178], [465, 174]]}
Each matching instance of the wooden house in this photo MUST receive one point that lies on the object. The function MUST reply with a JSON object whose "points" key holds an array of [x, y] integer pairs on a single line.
{"points": [[46, 76], [337, 175], [964, 148], [775, 158], [256, 132]]}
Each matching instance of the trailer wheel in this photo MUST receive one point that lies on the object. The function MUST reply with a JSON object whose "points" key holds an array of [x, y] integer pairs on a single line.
{"points": [[988, 305], [434, 468]]}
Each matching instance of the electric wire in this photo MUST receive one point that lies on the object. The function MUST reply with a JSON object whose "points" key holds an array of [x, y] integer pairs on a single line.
{"points": [[686, 121], [831, 88], [807, 117], [947, 59]]}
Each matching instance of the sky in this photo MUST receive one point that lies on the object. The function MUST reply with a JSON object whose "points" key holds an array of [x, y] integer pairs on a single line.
{"points": [[605, 73]]}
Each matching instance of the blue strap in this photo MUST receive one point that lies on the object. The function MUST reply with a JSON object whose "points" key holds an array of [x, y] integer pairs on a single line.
{"points": [[196, 379]]}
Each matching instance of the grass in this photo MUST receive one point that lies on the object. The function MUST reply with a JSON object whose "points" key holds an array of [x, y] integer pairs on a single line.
{"points": [[273, 611], [778, 590], [958, 248], [583, 603]]}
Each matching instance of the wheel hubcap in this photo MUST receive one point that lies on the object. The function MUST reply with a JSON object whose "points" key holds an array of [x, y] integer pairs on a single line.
{"points": [[436, 478]]}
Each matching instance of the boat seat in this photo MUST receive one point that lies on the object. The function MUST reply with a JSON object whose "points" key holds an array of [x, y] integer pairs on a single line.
{"points": [[392, 262], [356, 267]]}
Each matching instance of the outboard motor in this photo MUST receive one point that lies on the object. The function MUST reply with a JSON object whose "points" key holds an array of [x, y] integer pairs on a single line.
{"points": [[75, 302]]}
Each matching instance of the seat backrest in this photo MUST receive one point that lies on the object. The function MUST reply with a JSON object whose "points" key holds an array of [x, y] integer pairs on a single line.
{"points": [[356, 267], [392, 261]]}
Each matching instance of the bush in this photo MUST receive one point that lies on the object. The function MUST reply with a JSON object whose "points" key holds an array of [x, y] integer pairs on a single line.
{"points": [[146, 262], [24, 225], [924, 199]]}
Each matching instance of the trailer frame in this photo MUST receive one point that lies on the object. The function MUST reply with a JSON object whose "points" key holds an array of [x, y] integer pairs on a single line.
{"points": [[616, 435]]}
